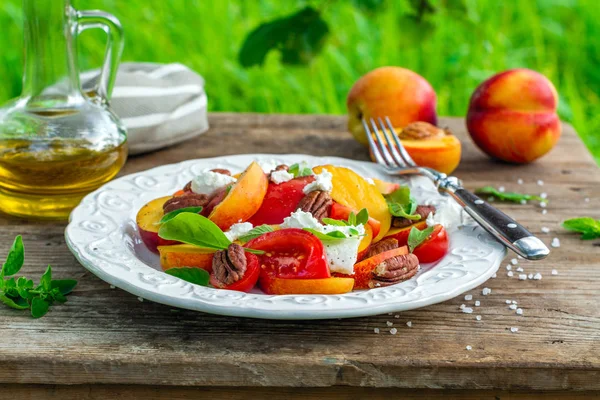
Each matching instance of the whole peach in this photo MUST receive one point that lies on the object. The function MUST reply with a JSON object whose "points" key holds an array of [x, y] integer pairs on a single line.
{"points": [[398, 93], [512, 116]]}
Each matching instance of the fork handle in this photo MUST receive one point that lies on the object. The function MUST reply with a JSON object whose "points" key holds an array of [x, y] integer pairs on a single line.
{"points": [[508, 231]]}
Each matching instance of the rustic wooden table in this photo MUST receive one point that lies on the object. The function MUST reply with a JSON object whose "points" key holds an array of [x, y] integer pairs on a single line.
{"points": [[104, 339]]}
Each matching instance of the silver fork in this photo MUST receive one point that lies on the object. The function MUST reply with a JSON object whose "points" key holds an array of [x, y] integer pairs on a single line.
{"points": [[390, 153]]}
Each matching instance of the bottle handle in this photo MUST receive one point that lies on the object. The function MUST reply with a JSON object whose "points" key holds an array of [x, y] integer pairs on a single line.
{"points": [[114, 48]]}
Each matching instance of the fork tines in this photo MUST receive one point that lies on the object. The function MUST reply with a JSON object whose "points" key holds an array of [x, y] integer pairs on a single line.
{"points": [[388, 150]]}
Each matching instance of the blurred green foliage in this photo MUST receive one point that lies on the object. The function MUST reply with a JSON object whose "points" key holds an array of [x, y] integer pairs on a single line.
{"points": [[455, 46]]}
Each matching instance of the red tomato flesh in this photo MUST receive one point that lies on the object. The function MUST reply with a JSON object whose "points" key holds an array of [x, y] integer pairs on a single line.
{"points": [[280, 201], [248, 280], [291, 254], [434, 247]]}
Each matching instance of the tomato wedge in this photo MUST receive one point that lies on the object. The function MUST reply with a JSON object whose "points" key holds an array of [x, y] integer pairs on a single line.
{"points": [[434, 247], [290, 254], [248, 280], [280, 201], [341, 212]]}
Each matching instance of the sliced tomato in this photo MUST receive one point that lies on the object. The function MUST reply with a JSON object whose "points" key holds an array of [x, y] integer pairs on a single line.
{"points": [[280, 201], [434, 247], [249, 279], [290, 254], [341, 212]]}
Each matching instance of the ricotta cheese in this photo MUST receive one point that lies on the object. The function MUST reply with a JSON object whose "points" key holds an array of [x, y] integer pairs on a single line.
{"points": [[237, 230], [209, 181], [281, 176], [322, 182], [300, 219], [268, 165]]}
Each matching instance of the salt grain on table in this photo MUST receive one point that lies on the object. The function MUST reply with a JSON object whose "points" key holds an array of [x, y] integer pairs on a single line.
{"points": [[543, 204], [469, 297], [508, 301], [514, 329], [519, 269], [501, 189], [409, 324], [537, 277], [478, 318], [509, 273], [514, 302], [554, 272], [555, 242], [523, 201], [513, 306], [393, 331], [469, 348], [494, 276], [587, 199], [462, 306], [522, 277], [545, 229], [544, 211], [389, 323], [540, 182], [520, 181], [396, 316], [544, 195], [508, 267], [376, 330], [477, 303], [519, 311], [467, 310], [514, 261], [486, 291], [530, 276]]}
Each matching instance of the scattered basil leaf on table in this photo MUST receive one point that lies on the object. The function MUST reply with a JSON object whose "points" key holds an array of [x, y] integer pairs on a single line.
{"points": [[173, 214], [22, 294], [198, 230], [197, 276], [508, 196], [588, 227], [416, 237], [401, 204], [255, 232]]}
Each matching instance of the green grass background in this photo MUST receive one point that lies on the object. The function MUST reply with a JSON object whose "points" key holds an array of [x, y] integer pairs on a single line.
{"points": [[455, 51]]}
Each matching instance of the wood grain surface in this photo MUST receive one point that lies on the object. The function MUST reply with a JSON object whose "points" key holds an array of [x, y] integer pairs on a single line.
{"points": [[106, 336]]}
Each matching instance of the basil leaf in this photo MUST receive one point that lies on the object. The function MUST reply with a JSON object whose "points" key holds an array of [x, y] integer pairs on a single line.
{"points": [[194, 229], [256, 232], [196, 276], [173, 214], [352, 219], [299, 170], [398, 210], [64, 286], [327, 237], [10, 287], [56, 295], [508, 196], [15, 258], [588, 227], [400, 196], [416, 237], [335, 222], [17, 303], [39, 307], [46, 279], [23, 287], [362, 217]]}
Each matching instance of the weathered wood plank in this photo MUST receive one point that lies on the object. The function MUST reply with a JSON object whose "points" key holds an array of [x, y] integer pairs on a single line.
{"points": [[108, 336]]}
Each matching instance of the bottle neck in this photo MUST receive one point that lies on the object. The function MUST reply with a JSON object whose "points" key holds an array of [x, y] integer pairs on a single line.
{"points": [[50, 76]]}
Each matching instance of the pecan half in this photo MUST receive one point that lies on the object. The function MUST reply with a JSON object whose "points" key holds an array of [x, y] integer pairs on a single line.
{"points": [[422, 130], [221, 171], [185, 200], [318, 203], [188, 187], [381, 246], [394, 270], [422, 211], [229, 265]]}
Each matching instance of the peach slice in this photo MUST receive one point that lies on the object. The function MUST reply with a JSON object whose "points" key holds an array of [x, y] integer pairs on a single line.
{"points": [[243, 200], [352, 190], [147, 221], [185, 255], [307, 286]]}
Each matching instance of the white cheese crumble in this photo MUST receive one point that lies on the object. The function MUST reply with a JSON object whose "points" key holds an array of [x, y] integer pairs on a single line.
{"points": [[555, 242], [268, 165], [341, 254], [281, 176], [237, 230], [209, 181], [322, 182]]}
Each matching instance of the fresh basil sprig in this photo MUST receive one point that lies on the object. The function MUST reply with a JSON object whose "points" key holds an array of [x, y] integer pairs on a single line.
{"points": [[508, 196], [361, 218], [416, 237], [333, 236], [255, 232], [173, 214], [198, 230], [197, 276], [299, 170], [22, 294], [588, 227], [401, 204]]}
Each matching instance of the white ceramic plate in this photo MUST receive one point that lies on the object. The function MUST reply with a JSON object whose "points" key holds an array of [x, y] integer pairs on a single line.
{"points": [[102, 234]]}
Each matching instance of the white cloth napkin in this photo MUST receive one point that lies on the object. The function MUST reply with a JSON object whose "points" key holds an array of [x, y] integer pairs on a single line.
{"points": [[160, 104]]}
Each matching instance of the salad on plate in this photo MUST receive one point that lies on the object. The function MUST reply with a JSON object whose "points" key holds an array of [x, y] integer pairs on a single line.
{"points": [[292, 229]]}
